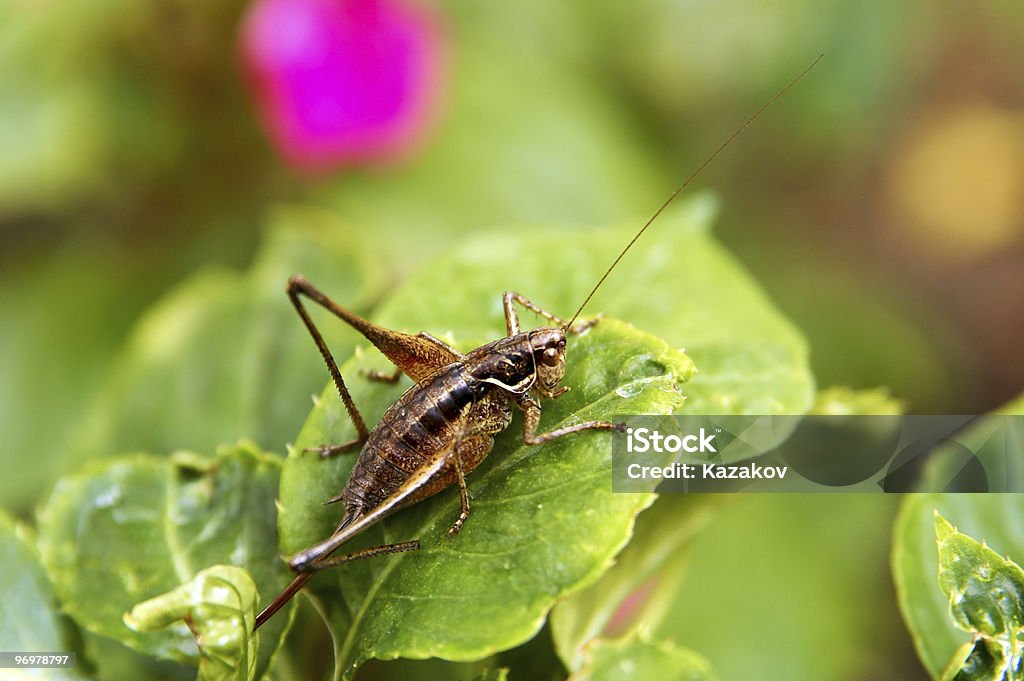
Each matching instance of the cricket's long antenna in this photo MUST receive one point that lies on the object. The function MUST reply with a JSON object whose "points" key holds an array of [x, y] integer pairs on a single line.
{"points": [[685, 184]]}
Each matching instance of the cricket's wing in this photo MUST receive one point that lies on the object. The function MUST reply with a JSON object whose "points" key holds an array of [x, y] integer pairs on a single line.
{"points": [[420, 477]]}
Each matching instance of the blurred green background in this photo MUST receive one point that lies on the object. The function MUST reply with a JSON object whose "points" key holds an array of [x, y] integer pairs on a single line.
{"points": [[880, 203]]}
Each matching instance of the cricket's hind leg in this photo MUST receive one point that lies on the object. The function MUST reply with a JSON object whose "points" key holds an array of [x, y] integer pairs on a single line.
{"points": [[310, 570], [298, 287], [418, 356]]}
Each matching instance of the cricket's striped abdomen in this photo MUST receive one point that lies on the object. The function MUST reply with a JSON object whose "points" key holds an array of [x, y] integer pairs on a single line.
{"points": [[426, 420]]}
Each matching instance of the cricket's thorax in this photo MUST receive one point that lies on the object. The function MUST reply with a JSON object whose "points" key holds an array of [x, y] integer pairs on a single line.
{"points": [[506, 363]]}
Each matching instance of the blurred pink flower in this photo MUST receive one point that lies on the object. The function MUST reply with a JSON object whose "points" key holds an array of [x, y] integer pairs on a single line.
{"points": [[630, 608], [343, 81]]}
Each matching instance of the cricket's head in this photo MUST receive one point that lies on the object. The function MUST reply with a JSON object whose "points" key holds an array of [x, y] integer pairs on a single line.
{"points": [[548, 347]]}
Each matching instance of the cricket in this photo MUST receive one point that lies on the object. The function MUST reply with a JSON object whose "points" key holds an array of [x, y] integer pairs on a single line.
{"points": [[445, 424]]}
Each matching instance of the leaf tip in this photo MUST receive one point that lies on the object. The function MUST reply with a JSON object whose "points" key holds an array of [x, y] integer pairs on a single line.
{"points": [[943, 528]]}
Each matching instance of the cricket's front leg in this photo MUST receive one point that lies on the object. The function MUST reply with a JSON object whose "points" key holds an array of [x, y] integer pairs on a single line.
{"points": [[512, 319], [531, 421]]}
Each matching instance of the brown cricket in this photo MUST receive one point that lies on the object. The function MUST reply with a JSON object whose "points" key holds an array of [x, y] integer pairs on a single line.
{"points": [[444, 425]]}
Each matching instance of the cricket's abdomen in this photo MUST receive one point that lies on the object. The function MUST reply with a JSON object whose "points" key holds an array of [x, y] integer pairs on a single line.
{"points": [[424, 423]]}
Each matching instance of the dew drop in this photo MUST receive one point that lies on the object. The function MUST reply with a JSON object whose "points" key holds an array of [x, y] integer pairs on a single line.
{"points": [[629, 390]]}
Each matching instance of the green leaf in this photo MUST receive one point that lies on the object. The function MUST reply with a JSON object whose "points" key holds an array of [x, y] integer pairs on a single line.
{"points": [[224, 355], [638, 658], [635, 591], [129, 529], [29, 618], [543, 523], [986, 599], [985, 590], [915, 562], [494, 675], [219, 607]]}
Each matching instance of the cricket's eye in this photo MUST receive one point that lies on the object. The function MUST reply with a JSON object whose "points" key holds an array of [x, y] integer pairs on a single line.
{"points": [[550, 357]]}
